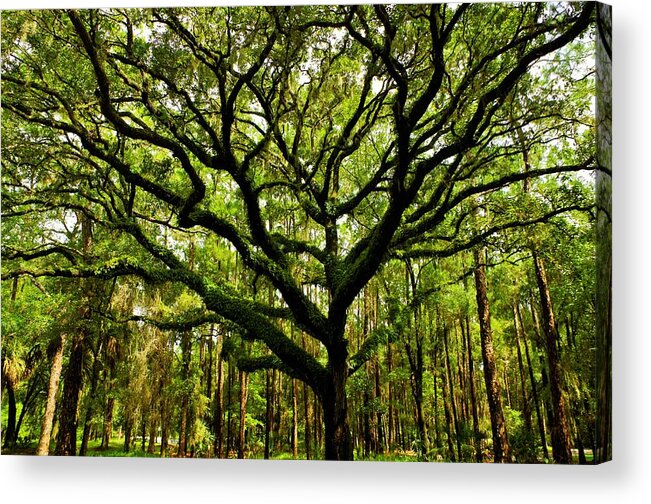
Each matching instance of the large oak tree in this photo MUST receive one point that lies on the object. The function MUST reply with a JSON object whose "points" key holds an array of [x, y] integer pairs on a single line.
{"points": [[313, 143]]}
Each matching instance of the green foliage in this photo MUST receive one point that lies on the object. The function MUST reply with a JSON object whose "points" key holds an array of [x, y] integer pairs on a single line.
{"points": [[286, 189]]}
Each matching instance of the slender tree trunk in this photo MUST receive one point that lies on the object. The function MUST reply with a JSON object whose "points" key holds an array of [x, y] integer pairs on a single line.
{"points": [[90, 410], [365, 428], [143, 431], [218, 416], [526, 408], [268, 413], [8, 387], [501, 449], [50, 404], [294, 419], [473, 398], [209, 371], [437, 433], [11, 413], [560, 432], [534, 389], [318, 424], [165, 425], [108, 423], [28, 401], [391, 427], [128, 426], [308, 422], [186, 353], [229, 416], [244, 394], [448, 419], [378, 398], [153, 428], [278, 410], [455, 418]]}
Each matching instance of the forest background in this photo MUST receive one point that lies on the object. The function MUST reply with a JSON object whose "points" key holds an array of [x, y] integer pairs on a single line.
{"points": [[293, 480]]}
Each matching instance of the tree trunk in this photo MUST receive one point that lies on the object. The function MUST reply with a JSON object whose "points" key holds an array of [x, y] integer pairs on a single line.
{"points": [[218, 418], [67, 438], [108, 423], [561, 451], [501, 449], [437, 434], [471, 383], [244, 394], [294, 419], [365, 428], [604, 259], [318, 424], [153, 428], [11, 413], [279, 407], [268, 413], [338, 441], [526, 408], [534, 389], [391, 424], [50, 404], [143, 431], [448, 419], [229, 416], [186, 352], [165, 425], [72, 383], [91, 395], [308, 422], [128, 427], [378, 397], [455, 418]]}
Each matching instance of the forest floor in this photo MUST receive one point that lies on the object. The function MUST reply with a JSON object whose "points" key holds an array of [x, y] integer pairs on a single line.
{"points": [[116, 449]]}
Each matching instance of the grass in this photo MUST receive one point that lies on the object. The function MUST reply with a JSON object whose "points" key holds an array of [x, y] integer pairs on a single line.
{"points": [[116, 449]]}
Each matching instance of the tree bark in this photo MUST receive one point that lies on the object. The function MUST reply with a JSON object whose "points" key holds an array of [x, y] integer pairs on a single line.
{"points": [[128, 427], [294, 419], [561, 451], [391, 422], [455, 418], [11, 413], [218, 416], [108, 423], [67, 438], [526, 408], [437, 434], [448, 418], [186, 353], [378, 397], [501, 448], [338, 440], [43, 447], [244, 394], [604, 282], [471, 383], [268, 413], [308, 422], [534, 389]]}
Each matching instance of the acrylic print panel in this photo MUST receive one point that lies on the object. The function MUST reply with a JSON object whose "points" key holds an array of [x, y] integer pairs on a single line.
{"points": [[311, 232]]}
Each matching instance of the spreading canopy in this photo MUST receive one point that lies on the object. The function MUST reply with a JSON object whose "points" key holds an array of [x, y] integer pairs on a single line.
{"points": [[314, 143]]}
